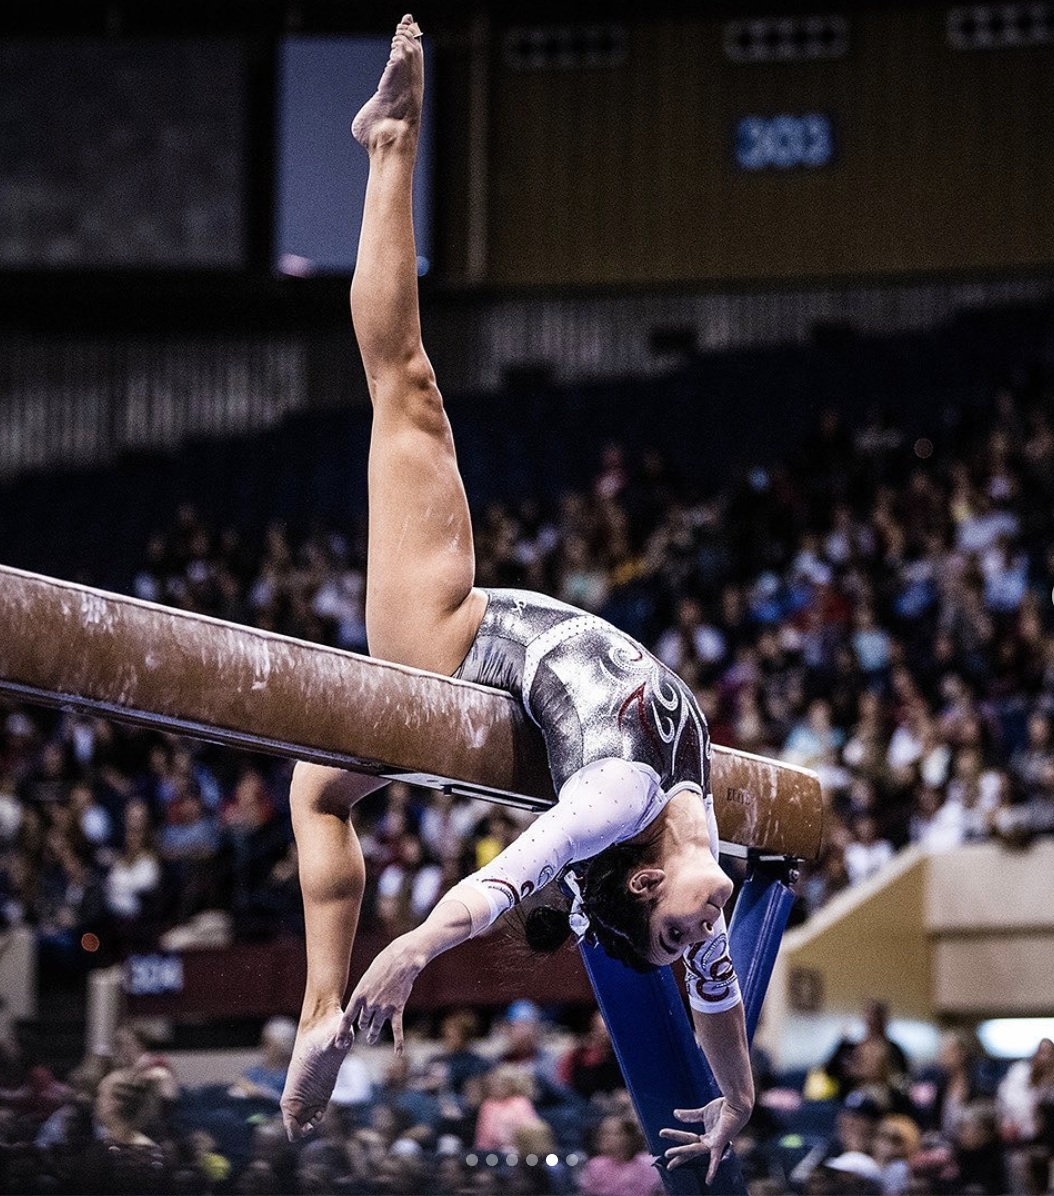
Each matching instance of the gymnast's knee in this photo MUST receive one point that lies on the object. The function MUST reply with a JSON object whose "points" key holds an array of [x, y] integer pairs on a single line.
{"points": [[317, 789], [407, 385]]}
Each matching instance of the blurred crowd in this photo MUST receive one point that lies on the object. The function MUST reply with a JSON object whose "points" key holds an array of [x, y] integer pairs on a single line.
{"points": [[527, 1109], [873, 608]]}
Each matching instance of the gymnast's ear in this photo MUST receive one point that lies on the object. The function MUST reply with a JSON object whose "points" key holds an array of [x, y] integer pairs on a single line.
{"points": [[646, 882]]}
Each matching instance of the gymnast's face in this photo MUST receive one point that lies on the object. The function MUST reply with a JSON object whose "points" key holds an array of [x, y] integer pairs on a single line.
{"points": [[689, 893]]}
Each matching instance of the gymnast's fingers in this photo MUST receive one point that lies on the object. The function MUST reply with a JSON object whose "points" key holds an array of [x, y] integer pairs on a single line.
{"points": [[678, 1135], [380, 1016], [397, 1030], [365, 1022], [292, 1124], [686, 1153], [717, 1153], [346, 1031], [689, 1114]]}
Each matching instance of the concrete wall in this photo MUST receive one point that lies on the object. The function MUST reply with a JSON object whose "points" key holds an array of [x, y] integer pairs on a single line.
{"points": [[951, 937]]}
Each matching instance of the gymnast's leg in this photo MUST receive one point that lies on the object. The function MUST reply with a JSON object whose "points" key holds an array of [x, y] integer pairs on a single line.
{"points": [[421, 608], [332, 878]]}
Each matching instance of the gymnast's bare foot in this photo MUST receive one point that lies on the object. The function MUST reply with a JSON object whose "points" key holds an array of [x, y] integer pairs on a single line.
{"points": [[396, 104], [312, 1075]]}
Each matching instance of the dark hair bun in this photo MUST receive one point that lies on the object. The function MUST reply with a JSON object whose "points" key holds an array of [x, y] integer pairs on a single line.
{"points": [[546, 928]]}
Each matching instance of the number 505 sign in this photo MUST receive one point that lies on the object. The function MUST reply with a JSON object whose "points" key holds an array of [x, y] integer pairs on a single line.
{"points": [[783, 142]]}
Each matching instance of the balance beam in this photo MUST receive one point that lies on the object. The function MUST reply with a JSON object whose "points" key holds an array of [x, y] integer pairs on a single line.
{"points": [[84, 649]]}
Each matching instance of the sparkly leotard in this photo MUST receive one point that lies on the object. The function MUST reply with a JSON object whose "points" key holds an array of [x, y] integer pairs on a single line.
{"points": [[594, 692], [623, 734]]}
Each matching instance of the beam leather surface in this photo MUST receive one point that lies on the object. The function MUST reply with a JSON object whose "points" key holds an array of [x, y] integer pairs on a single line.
{"points": [[67, 645]]}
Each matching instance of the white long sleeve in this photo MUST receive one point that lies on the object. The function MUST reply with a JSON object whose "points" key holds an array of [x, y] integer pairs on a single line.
{"points": [[606, 802]]}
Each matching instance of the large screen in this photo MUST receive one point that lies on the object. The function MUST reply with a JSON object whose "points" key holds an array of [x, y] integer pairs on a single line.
{"points": [[321, 171], [124, 152]]}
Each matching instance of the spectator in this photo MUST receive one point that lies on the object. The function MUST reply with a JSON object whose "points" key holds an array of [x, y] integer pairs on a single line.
{"points": [[266, 1080], [189, 845], [93, 820], [523, 1033], [812, 738], [1032, 765], [979, 1163], [690, 638], [136, 871], [457, 1063], [620, 1166], [123, 1106], [273, 1159], [132, 1053], [866, 853], [506, 1106], [408, 888], [258, 839], [853, 1173], [1024, 1101], [590, 1068], [960, 1079], [70, 905], [896, 1142]]}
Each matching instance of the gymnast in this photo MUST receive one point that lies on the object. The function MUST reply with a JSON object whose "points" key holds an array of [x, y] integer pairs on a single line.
{"points": [[632, 835]]}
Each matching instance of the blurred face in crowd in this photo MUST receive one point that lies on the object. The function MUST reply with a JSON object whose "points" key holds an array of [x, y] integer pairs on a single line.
{"points": [[457, 1031], [975, 1132], [128, 1047], [876, 1018], [1043, 1063], [451, 1174], [598, 1035], [136, 823], [952, 1055], [616, 1139], [897, 1137], [522, 1036], [854, 1130], [870, 1062], [500, 1085]]}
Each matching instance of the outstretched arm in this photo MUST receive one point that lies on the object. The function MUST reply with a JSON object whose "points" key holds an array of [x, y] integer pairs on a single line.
{"points": [[722, 1037], [603, 803]]}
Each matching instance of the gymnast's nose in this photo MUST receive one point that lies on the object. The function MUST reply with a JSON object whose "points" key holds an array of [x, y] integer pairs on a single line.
{"points": [[722, 893]]}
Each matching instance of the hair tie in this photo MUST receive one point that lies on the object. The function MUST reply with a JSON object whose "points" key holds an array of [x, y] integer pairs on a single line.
{"points": [[577, 917]]}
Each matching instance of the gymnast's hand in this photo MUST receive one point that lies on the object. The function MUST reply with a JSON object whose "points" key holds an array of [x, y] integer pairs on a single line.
{"points": [[381, 995], [721, 1120]]}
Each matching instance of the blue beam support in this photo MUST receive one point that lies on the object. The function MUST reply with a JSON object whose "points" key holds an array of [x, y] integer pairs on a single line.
{"points": [[756, 931], [653, 1035]]}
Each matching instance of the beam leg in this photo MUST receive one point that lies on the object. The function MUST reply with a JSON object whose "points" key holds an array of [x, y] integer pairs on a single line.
{"points": [[756, 931], [662, 1064]]}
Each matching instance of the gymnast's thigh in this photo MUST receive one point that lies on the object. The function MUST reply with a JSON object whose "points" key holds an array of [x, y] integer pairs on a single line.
{"points": [[421, 606]]}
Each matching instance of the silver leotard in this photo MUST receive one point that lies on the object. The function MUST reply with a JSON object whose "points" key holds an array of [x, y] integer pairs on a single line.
{"points": [[598, 697], [594, 692]]}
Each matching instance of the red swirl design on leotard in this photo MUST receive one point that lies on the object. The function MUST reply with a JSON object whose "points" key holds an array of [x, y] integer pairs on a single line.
{"points": [[638, 696]]}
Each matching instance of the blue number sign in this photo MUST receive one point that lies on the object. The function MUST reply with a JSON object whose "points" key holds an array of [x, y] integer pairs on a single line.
{"points": [[782, 142]]}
